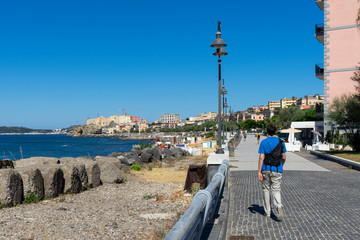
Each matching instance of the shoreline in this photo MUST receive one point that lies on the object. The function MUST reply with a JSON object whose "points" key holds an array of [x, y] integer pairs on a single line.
{"points": [[118, 136]]}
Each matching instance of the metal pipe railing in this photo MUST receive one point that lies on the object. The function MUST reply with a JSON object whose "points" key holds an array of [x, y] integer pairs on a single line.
{"points": [[202, 208]]}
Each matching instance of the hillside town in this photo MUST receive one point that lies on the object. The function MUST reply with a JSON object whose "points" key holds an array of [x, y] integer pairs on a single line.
{"points": [[127, 123]]}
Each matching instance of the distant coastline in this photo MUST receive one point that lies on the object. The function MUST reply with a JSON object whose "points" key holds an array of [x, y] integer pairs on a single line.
{"points": [[34, 133], [23, 130]]}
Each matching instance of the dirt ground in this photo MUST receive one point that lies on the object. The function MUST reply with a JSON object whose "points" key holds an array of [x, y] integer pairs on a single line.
{"points": [[174, 170]]}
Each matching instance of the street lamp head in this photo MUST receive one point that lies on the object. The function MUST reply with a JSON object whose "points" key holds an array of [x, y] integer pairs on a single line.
{"points": [[220, 52], [223, 90], [218, 42]]}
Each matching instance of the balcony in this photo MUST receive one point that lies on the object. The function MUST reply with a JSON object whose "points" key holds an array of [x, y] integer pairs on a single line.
{"points": [[320, 3], [319, 71], [319, 32]]}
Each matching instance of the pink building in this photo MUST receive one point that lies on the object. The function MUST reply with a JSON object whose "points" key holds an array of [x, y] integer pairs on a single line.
{"points": [[135, 119], [341, 38], [260, 108]]}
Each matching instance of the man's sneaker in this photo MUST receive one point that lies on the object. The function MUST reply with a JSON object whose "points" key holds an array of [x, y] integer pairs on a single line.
{"points": [[280, 213]]}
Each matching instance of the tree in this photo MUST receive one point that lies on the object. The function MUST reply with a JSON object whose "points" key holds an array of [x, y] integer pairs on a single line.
{"points": [[286, 116], [345, 113], [358, 17], [356, 78], [309, 115]]}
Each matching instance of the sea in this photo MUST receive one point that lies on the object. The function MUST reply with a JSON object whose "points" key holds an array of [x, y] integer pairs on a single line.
{"points": [[16, 147]]}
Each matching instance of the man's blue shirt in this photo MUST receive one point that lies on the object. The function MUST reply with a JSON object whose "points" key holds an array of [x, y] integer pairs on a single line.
{"points": [[266, 146]]}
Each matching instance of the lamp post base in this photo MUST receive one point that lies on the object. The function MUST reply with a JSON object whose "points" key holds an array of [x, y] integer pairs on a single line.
{"points": [[220, 151]]}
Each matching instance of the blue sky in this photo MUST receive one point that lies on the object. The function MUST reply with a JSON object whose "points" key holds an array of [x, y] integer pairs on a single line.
{"points": [[62, 62]]}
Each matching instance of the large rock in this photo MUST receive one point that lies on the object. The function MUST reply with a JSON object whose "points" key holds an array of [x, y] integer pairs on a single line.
{"points": [[110, 169], [137, 152], [11, 187], [93, 171], [80, 165], [72, 178], [26, 162], [177, 152], [54, 181], [111, 173], [156, 154], [102, 160], [33, 181], [168, 153], [146, 156], [127, 161], [133, 157]]}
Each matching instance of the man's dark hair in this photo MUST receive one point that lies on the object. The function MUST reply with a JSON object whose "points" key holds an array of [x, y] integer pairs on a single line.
{"points": [[271, 129]]}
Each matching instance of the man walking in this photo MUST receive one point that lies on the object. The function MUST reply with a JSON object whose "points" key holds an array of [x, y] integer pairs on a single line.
{"points": [[271, 161], [258, 137]]}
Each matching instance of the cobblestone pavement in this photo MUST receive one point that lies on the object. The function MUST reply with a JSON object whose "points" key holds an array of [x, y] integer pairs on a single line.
{"points": [[317, 204]]}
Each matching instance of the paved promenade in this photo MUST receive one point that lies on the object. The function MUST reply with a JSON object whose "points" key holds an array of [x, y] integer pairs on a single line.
{"points": [[321, 199]]}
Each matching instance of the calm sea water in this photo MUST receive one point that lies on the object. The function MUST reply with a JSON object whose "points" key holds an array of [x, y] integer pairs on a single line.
{"points": [[59, 146]]}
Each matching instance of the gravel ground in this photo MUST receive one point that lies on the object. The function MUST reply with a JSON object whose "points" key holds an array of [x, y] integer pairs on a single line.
{"points": [[110, 211]]}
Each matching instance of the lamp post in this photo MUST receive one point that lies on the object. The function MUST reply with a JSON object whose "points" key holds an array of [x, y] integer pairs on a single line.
{"points": [[223, 92], [225, 107], [218, 43]]}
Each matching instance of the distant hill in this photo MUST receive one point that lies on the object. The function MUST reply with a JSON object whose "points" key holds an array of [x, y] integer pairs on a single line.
{"points": [[22, 130], [71, 128]]}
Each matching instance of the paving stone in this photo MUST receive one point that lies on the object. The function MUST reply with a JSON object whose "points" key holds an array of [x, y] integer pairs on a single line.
{"points": [[320, 204]]}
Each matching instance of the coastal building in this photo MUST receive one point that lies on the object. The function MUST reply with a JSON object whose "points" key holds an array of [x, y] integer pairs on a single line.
{"points": [[144, 121], [206, 117], [126, 128], [340, 35], [287, 102], [123, 119], [309, 101], [103, 121], [258, 109], [253, 116], [273, 105], [170, 118], [268, 114], [143, 127], [135, 119]]}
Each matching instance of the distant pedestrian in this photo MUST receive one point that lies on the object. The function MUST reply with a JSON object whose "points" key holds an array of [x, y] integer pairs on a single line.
{"points": [[258, 137], [271, 161], [244, 136]]}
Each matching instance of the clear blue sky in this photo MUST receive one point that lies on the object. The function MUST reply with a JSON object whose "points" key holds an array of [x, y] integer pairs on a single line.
{"points": [[64, 61]]}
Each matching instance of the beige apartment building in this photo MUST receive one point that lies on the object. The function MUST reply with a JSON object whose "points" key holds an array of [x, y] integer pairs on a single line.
{"points": [[143, 127], [253, 116], [310, 100], [206, 117], [274, 104], [287, 102], [123, 119]]}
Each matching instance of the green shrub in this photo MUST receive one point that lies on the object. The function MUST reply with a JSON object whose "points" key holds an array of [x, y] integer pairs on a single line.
{"points": [[195, 187], [135, 167], [30, 198], [147, 196], [143, 145]]}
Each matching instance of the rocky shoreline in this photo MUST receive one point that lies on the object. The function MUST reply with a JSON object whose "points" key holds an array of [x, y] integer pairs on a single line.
{"points": [[110, 211], [84, 193], [118, 136]]}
